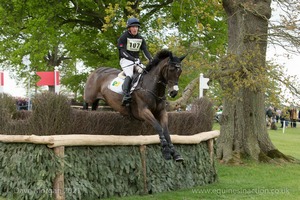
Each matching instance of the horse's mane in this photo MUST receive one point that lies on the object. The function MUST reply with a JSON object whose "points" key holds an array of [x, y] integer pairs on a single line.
{"points": [[161, 55]]}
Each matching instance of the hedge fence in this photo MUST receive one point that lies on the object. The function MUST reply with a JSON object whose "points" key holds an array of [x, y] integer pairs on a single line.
{"points": [[87, 171]]}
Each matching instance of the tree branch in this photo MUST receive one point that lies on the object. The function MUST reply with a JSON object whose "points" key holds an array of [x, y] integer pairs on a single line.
{"points": [[187, 93]]}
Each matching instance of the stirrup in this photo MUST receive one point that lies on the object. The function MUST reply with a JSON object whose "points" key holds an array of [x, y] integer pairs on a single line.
{"points": [[126, 100]]}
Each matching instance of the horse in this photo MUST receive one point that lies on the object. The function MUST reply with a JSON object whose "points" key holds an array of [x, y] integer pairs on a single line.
{"points": [[148, 98]]}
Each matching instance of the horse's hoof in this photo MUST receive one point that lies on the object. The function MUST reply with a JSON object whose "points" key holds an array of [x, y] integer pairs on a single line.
{"points": [[178, 158], [176, 155]]}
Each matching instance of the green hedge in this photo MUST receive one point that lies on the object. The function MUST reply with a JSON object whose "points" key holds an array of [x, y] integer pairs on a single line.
{"points": [[27, 171]]}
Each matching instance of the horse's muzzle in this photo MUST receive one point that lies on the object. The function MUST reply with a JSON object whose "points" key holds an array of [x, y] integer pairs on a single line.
{"points": [[174, 91]]}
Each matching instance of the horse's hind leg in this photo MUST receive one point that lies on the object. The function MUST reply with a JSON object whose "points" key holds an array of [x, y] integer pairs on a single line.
{"points": [[85, 106], [95, 104]]}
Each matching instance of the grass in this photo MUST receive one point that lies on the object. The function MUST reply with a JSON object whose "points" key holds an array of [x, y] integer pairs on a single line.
{"points": [[287, 142], [249, 181]]}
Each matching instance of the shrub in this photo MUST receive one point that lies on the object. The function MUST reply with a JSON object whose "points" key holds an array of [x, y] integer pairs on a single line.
{"points": [[51, 114]]}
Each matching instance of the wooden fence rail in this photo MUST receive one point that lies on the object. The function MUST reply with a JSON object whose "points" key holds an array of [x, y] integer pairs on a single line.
{"points": [[99, 140]]}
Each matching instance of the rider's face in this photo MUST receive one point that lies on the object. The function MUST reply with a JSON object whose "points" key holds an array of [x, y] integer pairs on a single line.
{"points": [[134, 30]]}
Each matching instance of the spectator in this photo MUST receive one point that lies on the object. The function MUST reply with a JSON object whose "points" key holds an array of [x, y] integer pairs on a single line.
{"points": [[22, 104], [269, 114], [278, 114], [285, 117], [293, 117], [273, 123]]}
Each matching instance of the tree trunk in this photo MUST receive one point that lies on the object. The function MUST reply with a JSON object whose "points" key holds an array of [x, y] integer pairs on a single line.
{"points": [[243, 125]]}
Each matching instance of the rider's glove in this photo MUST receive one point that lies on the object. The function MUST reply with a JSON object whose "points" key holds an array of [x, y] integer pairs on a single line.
{"points": [[140, 68], [137, 61]]}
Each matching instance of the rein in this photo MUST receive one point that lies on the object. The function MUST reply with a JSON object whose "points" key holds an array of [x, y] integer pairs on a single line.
{"points": [[162, 98]]}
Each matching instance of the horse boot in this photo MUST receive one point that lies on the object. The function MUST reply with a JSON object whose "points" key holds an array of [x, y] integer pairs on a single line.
{"points": [[166, 151], [126, 90]]}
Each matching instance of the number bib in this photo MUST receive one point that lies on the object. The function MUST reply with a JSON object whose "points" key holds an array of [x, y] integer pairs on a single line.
{"points": [[134, 44]]}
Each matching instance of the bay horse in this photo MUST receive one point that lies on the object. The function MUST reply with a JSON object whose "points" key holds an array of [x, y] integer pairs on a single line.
{"points": [[148, 98]]}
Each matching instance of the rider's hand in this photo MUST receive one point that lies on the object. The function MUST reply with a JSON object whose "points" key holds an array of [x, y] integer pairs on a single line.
{"points": [[140, 68], [137, 61]]}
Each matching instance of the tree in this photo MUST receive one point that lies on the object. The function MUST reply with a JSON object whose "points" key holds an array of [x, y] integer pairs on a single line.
{"points": [[243, 76], [59, 33], [53, 33]]}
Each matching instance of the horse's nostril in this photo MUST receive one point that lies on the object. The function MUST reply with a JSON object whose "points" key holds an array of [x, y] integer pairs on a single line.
{"points": [[173, 93]]}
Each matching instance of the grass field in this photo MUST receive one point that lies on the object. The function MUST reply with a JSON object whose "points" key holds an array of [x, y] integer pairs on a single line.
{"points": [[249, 181]]}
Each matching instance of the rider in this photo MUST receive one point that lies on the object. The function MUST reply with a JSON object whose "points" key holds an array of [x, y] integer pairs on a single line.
{"points": [[129, 45]]}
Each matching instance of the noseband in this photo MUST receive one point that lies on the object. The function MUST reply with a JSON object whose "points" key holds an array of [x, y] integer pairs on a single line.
{"points": [[164, 83]]}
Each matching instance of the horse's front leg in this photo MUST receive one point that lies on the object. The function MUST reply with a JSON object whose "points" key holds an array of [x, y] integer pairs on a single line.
{"points": [[163, 118], [149, 117], [95, 104]]}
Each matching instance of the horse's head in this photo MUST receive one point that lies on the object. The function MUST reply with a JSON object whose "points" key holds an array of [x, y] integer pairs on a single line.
{"points": [[173, 71]]}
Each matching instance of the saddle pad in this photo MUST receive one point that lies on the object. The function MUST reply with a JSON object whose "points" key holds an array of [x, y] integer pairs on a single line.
{"points": [[116, 84]]}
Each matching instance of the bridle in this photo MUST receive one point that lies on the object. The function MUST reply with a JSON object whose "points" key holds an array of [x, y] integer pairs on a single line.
{"points": [[169, 64], [177, 66]]}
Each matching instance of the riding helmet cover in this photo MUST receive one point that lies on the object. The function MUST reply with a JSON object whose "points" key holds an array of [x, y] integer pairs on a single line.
{"points": [[133, 22]]}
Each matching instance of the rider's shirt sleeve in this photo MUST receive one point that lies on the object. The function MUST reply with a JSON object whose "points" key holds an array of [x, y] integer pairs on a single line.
{"points": [[145, 50], [125, 54]]}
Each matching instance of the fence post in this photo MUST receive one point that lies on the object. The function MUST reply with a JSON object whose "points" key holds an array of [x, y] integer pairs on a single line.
{"points": [[210, 144], [59, 185], [144, 166]]}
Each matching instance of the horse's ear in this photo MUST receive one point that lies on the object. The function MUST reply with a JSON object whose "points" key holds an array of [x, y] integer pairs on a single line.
{"points": [[171, 55], [182, 57]]}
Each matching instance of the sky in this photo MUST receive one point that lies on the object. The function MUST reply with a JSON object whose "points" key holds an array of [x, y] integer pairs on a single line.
{"points": [[11, 87]]}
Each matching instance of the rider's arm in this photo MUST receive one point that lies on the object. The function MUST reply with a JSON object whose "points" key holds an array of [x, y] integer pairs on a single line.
{"points": [[145, 50], [125, 54]]}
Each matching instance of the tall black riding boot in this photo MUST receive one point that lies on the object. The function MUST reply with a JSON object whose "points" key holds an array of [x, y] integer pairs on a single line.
{"points": [[126, 90]]}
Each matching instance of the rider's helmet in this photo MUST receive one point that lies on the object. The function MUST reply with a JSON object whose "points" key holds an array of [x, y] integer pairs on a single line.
{"points": [[133, 22]]}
